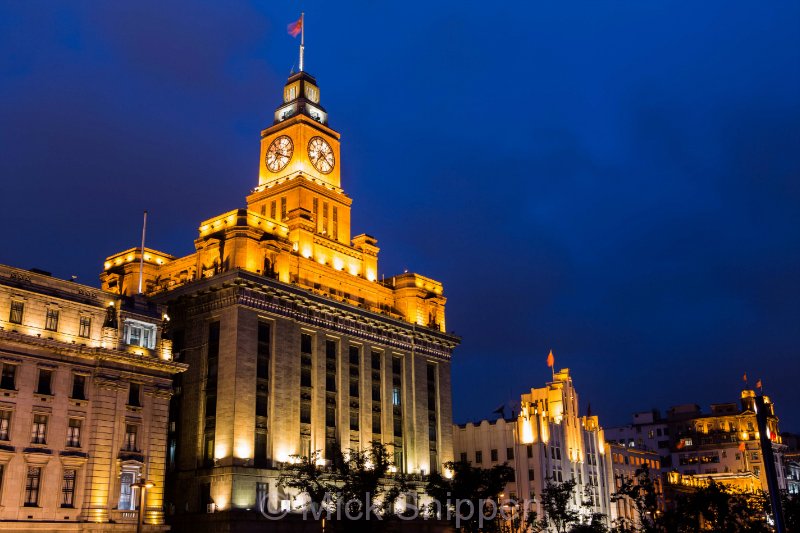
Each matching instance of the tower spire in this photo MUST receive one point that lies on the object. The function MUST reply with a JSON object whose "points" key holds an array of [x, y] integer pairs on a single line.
{"points": [[302, 38]]}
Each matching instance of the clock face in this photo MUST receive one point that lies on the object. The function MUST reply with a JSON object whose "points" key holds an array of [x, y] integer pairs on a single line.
{"points": [[279, 153], [321, 154]]}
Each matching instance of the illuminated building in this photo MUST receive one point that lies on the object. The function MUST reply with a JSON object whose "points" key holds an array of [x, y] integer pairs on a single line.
{"points": [[86, 378], [294, 342], [624, 463], [547, 441]]}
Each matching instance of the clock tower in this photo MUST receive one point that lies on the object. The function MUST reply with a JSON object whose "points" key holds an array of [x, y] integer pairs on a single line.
{"points": [[299, 167]]}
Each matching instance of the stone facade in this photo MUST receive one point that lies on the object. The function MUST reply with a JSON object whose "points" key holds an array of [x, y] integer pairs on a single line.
{"points": [[84, 401], [294, 343]]}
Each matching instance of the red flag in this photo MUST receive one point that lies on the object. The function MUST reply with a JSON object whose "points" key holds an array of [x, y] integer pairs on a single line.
{"points": [[742, 447], [295, 28], [550, 359], [758, 384], [744, 378]]}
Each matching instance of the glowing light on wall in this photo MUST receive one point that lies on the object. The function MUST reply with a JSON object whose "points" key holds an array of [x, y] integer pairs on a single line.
{"points": [[220, 451], [338, 264], [370, 275], [527, 432], [243, 450]]}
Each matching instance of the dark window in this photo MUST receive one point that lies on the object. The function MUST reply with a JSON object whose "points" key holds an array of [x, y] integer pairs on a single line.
{"points": [[493, 453], [32, 480], [305, 376], [51, 320], [272, 210], [85, 327], [17, 308], [283, 208], [43, 386], [78, 387], [261, 403], [208, 449], [531, 474], [305, 343], [330, 415], [134, 395], [211, 405], [530, 451], [8, 380], [130, 444], [355, 356], [68, 488], [260, 454], [354, 419], [74, 433], [509, 454], [478, 457], [376, 390], [263, 351], [376, 422], [39, 429], [305, 411], [376, 360], [463, 457]]}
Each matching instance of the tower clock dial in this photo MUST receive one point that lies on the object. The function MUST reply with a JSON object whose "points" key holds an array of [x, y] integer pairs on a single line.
{"points": [[279, 153], [321, 154]]}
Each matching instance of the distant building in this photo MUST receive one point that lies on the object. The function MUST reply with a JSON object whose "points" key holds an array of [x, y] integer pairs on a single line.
{"points": [[548, 441], [84, 397], [693, 443], [624, 463]]}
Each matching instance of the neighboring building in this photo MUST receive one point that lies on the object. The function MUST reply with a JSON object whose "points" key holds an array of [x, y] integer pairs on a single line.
{"points": [[548, 441], [624, 463], [648, 431], [792, 469], [712, 443], [294, 342], [84, 398]]}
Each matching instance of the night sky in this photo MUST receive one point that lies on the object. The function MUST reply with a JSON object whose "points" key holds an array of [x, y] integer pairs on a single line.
{"points": [[617, 181]]}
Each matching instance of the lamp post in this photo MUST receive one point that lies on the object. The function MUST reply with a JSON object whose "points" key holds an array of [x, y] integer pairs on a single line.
{"points": [[142, 485]]}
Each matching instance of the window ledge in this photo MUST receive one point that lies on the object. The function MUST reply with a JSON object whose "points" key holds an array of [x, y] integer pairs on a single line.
{"points": [[8, 393], [134, 408], [78, 402], [42, 397]]}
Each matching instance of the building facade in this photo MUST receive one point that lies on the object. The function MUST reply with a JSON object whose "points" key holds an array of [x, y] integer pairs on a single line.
{"points": [[623, 465], [548, 441], [84, 399], [294, 343]]}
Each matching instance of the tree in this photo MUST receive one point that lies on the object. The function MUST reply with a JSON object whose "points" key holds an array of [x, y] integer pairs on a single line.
{"points": [[642, 492], [557, 505], [791, 511], [353, 483], [472, 488]]}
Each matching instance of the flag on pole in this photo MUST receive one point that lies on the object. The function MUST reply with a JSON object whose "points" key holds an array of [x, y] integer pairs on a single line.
{"points": [[742, 447], [550, 359], [744, 378], [759, 385], [295, 28]]}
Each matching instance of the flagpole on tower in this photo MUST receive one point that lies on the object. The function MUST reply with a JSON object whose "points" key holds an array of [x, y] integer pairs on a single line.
{"points": [[302, 38]]}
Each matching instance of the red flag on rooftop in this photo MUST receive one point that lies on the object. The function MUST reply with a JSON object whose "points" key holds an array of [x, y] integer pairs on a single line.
{"points": [[744, 378], [742, 447], [759, 385], [550, 359], [295, 28]]}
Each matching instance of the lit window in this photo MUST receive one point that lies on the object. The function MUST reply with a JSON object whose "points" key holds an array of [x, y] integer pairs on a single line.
{"points": [[39, 429], [74, 433], [126, 491], [17, 308], [85, 327], [138, 333], [396, 396], [129, 445], [5, 424], [51, 320]]}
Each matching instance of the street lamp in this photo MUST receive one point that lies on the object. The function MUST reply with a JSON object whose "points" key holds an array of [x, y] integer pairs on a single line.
{"points": [[142, 485]]}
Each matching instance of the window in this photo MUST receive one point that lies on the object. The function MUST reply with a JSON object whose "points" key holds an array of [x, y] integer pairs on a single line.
{"points": [[138, 333], [74, 433], [530, 451], [51, 320], [68, 488], [509, 454], [493, 454], [283, 208], [39, 429], [531, 474], [335, 223], [463, 457], [5, 424], [17, 308], [395, 396], [135, 395], [85, 327], [478, 457], [126, 491], [129, 444], [8, 379], [45, 380], [32, 480], [78, 387], [273, 210], [208, 449]]}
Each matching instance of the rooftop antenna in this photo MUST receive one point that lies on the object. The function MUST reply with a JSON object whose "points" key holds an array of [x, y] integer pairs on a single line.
{"points": [[141, 258]]}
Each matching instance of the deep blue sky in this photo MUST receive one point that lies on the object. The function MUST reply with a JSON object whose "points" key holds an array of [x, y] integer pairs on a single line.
{"points": [[618, 181]]}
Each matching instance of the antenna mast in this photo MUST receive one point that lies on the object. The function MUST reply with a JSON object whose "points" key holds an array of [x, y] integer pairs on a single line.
{"points": [[302, 38], [141, 258]]}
